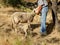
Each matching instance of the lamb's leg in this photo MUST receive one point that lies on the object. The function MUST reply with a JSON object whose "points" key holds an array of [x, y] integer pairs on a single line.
{"points": [[25, 32], [29, 28]]}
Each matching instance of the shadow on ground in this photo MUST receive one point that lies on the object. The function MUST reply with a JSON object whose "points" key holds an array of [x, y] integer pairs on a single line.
{"points": [[33, 26], [50, 28]]}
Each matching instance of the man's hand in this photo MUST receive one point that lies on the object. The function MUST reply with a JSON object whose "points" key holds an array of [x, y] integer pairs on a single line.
{"points": [[38, 9]]}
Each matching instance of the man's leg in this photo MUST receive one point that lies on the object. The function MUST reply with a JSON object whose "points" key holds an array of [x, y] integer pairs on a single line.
{"points": [[43, 20]]}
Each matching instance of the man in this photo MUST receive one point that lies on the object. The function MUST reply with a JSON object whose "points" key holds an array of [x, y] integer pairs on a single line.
{"points": [[43, 9]]}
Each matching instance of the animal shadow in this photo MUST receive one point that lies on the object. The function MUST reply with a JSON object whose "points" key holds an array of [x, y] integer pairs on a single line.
{"points": [[33, 26]]}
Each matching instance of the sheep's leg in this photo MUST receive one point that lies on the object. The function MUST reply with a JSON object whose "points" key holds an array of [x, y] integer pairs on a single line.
{"points": [[14, 25], [15, 28]]}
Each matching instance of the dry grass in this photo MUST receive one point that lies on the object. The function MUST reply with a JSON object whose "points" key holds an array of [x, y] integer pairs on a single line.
{"points": [[8, 37]]}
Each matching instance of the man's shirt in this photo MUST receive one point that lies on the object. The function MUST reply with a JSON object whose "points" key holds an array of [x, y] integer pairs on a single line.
{"points": [[42, 2]]}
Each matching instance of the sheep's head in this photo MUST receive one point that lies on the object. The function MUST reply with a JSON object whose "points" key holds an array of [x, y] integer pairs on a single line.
{"points": [[33, 13]]}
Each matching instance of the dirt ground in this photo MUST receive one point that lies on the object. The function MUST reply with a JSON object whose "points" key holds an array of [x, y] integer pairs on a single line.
{"points": [[8, 37]]}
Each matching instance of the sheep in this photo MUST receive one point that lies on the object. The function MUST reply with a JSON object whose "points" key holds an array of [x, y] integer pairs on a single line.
{"points": [[22, 17]]}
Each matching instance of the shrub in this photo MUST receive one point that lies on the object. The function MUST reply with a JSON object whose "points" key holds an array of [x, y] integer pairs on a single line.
{"points": [[11, 2]]}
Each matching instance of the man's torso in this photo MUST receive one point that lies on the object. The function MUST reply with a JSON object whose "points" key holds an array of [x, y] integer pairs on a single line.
{"points": [[42, 2]]}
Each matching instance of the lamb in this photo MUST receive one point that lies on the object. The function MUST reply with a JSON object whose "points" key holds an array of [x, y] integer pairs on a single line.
{"points": [[22, 17], [24, 28]]}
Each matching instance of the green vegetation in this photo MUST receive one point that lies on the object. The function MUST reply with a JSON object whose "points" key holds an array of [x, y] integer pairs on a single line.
{"points": [[25, 9], [17, 42], [26, 41], [11, 2]]}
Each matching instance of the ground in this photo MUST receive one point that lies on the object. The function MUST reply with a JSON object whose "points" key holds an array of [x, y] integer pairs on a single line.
{"points": [[8, 37]]}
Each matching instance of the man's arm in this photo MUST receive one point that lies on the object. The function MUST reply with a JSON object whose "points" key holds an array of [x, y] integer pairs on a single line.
{"points": [[38, 9]]}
